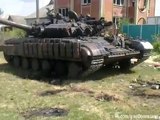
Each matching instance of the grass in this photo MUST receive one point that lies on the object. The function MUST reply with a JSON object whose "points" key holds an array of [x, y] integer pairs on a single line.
{"points": [[100, 96]]}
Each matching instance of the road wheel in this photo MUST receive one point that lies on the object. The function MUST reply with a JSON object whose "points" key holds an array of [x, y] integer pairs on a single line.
{"points": [[46, 66], [25, 63], [125, 64], [73, 70], [35, 65], [16, 61], [8, 58], [60, 69]]}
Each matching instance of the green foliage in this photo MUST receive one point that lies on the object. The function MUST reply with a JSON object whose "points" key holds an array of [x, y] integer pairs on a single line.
{"points": [[156, 43], [15, 33], [156, 46], [157, 59], [124, 21]]}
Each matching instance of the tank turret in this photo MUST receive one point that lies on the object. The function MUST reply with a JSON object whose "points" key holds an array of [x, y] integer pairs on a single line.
{"points": [[59, 27], [51, 30]]}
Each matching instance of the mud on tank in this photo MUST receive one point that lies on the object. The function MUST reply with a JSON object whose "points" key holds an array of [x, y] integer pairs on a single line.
{"points": [[72, 47]]}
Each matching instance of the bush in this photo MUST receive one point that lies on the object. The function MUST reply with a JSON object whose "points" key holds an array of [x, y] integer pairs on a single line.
{"points": [[122, 22], [15, 33], [156, 46], [156, 43]]}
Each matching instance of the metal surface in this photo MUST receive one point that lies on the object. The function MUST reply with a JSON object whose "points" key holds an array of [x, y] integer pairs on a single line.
{"points": [[65, 45], [10, 23]]}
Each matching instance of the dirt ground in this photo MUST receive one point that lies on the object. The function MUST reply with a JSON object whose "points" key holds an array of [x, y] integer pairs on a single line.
{"points": [[108, 94]]}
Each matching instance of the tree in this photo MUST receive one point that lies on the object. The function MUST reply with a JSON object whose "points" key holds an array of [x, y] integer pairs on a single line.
{"points": [[124, 21]]}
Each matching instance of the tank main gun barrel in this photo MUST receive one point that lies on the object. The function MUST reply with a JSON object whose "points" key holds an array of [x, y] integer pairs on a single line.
{"points": [[13, 24]]}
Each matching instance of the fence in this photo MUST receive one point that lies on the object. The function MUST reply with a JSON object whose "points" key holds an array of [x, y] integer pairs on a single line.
{"points": [[145, 32]]}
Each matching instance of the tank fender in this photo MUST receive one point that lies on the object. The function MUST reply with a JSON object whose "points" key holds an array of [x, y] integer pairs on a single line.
{"points": [[95, 49], [85, 53], [141, 45], [144, 47]]}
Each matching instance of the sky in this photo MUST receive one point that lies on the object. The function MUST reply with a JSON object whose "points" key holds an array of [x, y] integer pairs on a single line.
{"points": [[157, 10], [20, 7]]}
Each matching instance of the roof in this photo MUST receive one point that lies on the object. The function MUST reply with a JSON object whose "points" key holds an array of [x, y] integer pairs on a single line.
{"points": [[42, 12], [17, 19], [51, 2]]}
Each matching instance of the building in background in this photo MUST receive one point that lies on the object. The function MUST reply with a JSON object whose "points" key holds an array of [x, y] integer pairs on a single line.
{"points": [[157, 8], [136, 11], [13, 18], [144, 9], [31, 19], [155, 20]]}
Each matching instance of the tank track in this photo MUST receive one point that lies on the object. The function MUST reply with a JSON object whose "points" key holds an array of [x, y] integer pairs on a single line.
{"points": [[91, 70], [95, 64]]}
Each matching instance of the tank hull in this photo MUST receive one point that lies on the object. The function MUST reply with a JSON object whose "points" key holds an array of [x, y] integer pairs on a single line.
{"points": [[86, 55]]}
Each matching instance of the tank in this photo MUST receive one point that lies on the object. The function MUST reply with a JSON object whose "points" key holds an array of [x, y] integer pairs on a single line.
{"points": [[72, 47]]}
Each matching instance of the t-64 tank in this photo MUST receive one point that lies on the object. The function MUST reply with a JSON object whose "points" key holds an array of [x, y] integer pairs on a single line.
{"points": [[72, 47]]}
